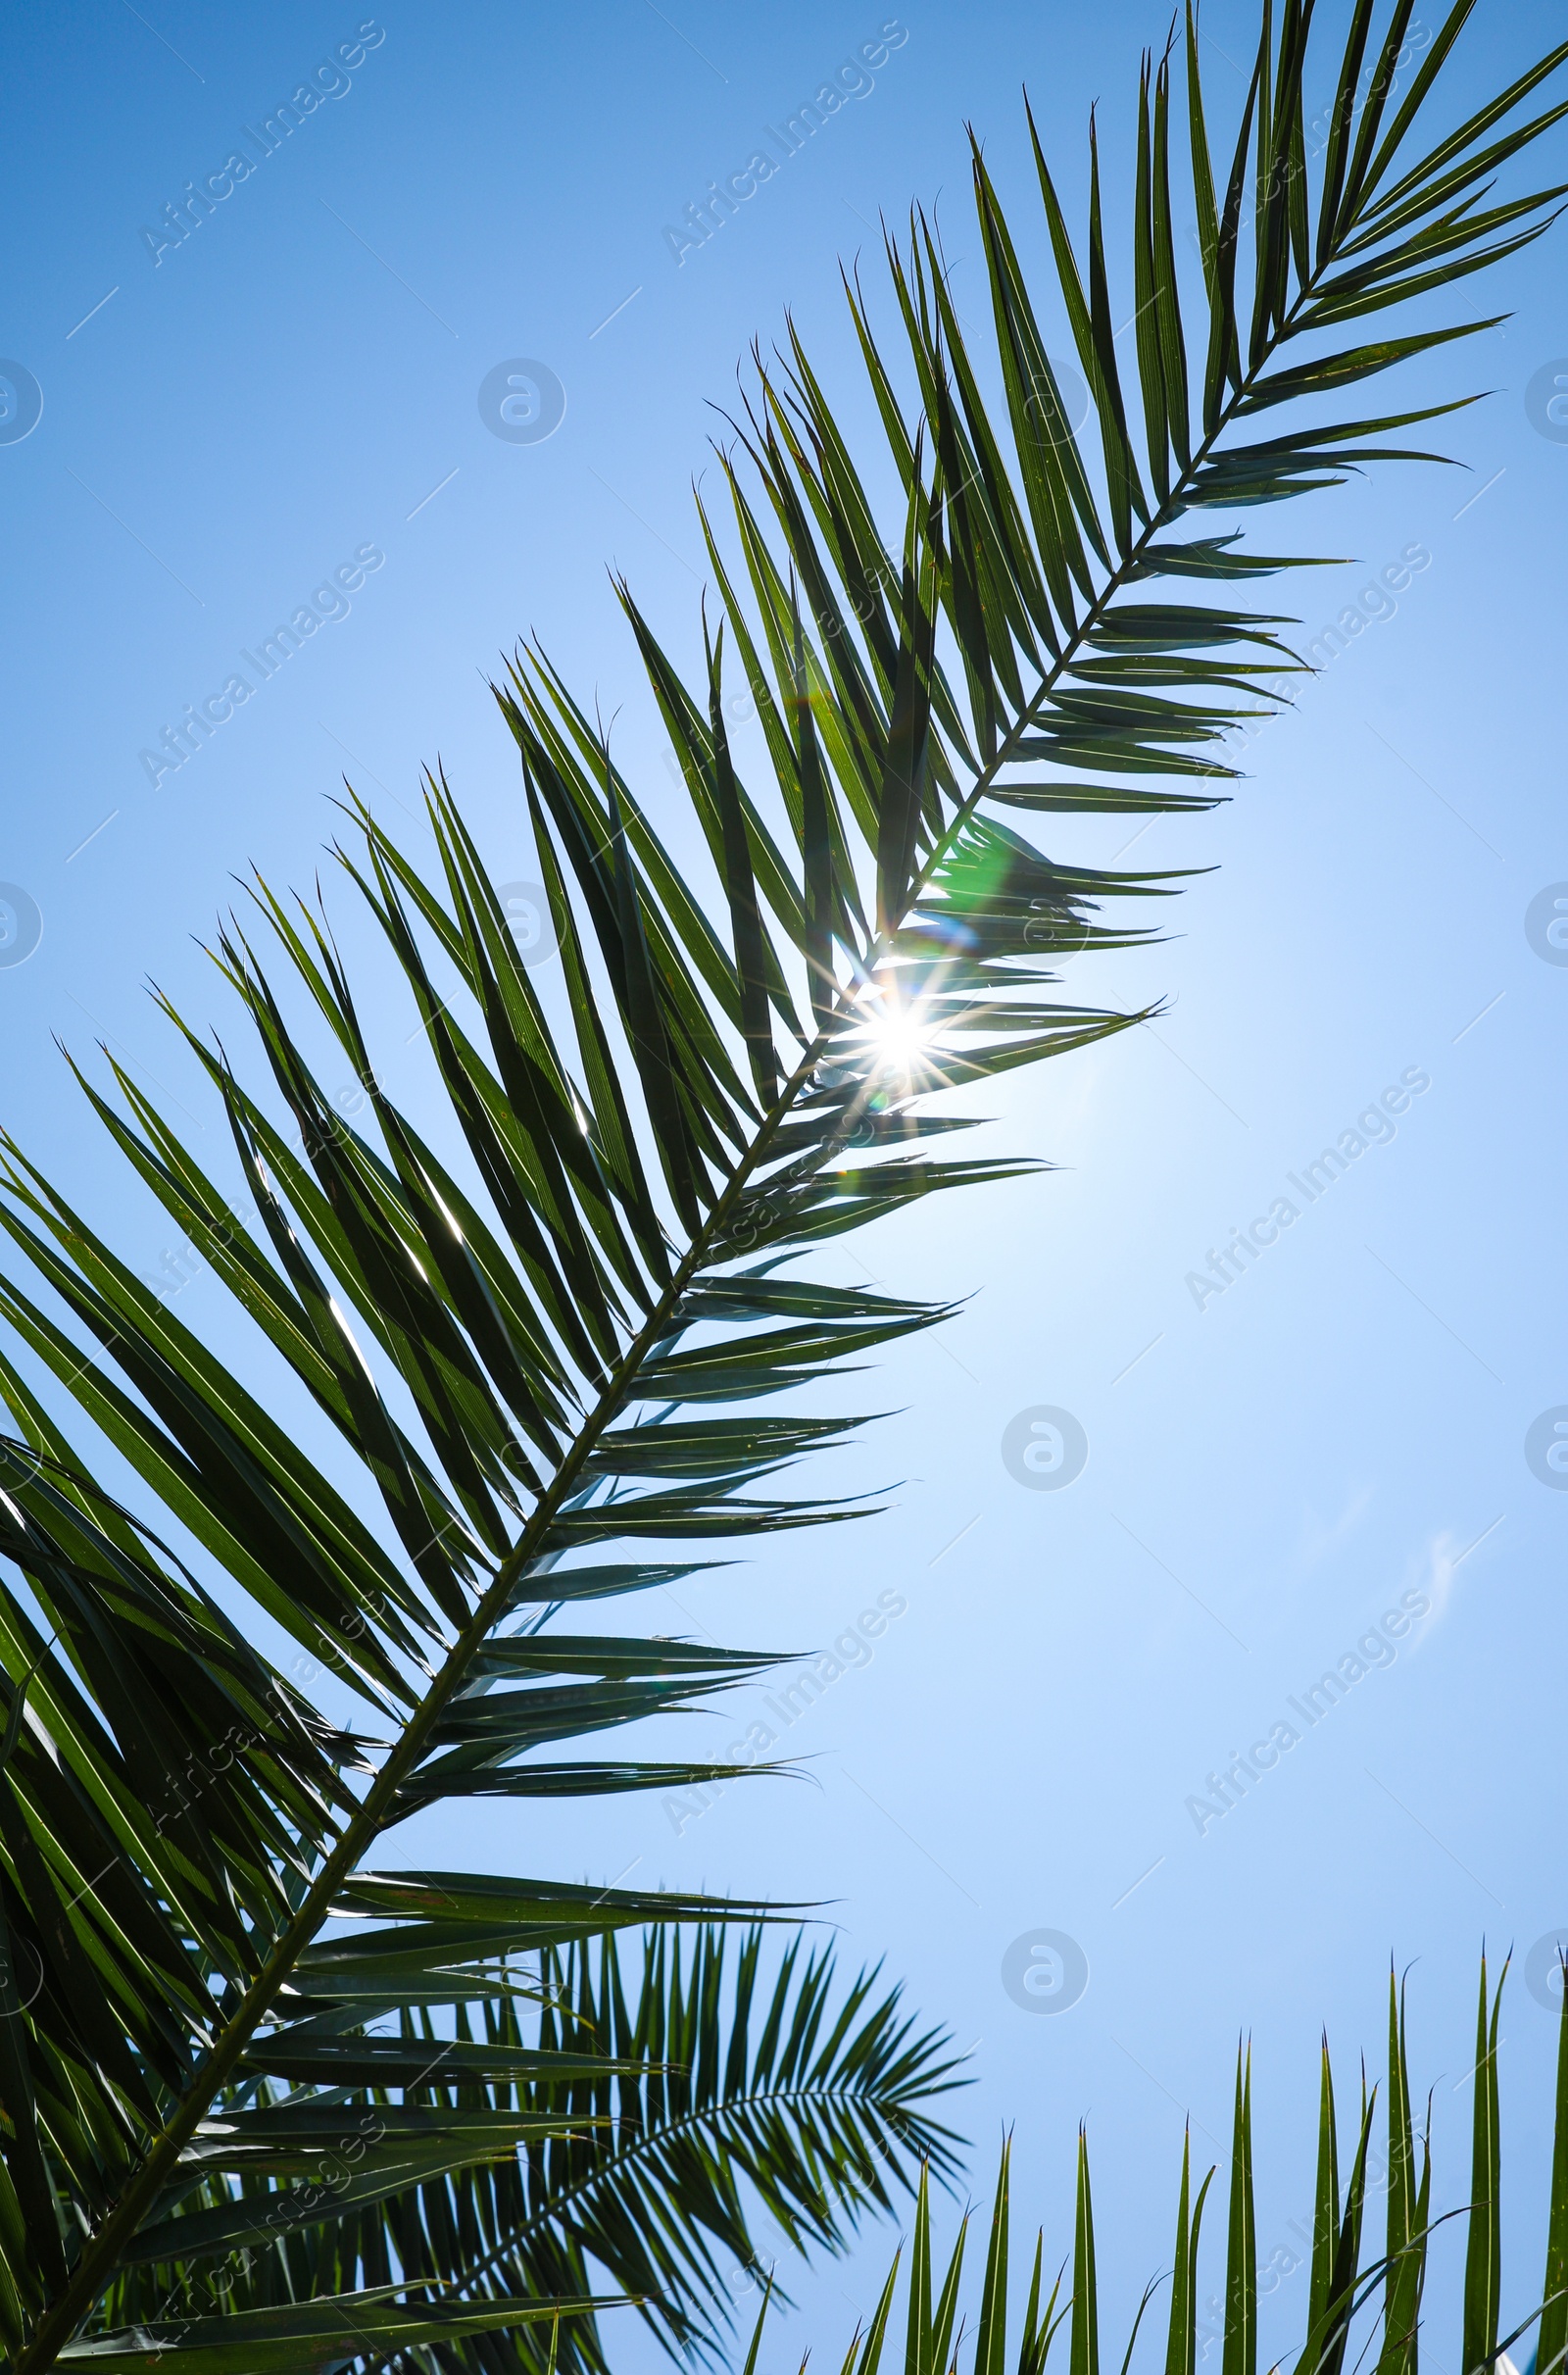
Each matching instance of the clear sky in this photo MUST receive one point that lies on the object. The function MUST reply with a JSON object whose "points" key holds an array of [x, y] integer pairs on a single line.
{"points": [[294, 390]]}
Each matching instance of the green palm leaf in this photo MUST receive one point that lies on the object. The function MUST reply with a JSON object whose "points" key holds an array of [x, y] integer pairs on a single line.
{"points": [[644, 2128], [1341, 2289], [1483, 2264]]}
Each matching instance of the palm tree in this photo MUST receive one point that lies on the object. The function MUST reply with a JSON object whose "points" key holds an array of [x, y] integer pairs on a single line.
{"points": [[1378, 2298], [544, 1347]]}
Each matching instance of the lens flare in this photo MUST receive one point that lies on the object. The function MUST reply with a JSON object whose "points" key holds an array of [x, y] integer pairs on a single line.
{"points": [[898, 1035]]}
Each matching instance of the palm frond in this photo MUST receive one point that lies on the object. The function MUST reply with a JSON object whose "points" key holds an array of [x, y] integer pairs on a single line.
{"points": [[649, 2131], [1382, 2295]]}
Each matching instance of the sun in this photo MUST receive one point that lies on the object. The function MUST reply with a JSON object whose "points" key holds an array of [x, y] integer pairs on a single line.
{"points": [[898, 1034]]}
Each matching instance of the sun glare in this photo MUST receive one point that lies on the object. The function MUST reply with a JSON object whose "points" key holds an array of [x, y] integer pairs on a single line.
{"points": [[898, 1036]]}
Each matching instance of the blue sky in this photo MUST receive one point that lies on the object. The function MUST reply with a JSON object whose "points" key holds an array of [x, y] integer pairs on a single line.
{"points": [[295, 387]]}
